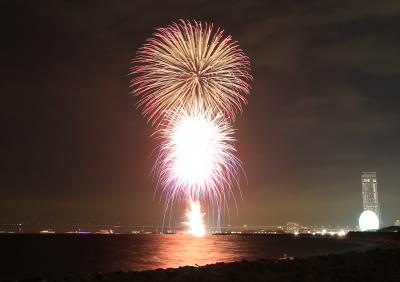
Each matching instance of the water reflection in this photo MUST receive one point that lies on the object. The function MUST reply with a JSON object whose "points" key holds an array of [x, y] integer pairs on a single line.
{"points": [[164, 251], [63, 255], [180, 250]]}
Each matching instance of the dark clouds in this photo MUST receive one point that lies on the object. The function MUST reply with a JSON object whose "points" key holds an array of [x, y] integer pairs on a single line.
{"points": [[324, 107]]}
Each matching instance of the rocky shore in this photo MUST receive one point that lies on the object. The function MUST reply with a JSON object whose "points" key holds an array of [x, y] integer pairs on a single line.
{"points": [[376, 265]]}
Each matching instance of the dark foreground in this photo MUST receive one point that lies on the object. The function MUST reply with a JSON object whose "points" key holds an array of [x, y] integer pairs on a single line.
{"points": [[376, 265], [57, 256]]}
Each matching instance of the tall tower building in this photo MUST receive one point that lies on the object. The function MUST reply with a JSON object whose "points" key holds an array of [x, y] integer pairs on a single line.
{"points": [[370, 192]]}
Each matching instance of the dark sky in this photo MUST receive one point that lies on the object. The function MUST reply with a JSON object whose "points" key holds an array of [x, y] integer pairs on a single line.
{"points": [[324, 107]]}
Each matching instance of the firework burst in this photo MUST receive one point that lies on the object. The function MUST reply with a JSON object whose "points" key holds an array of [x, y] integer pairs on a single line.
{"points": [[191, 63], [192, 81], [196, 157]]}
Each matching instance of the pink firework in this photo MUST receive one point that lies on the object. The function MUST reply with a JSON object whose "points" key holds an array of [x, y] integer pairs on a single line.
{"points": [[191, 64]]}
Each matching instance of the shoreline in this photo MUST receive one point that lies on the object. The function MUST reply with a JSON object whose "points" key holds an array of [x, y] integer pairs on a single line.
{"points": [[370, 246], [372, 265]]}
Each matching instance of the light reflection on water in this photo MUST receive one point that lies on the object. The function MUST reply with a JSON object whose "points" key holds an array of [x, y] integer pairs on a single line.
{"points": [[66, 255], [180, 250], [164, 251]]}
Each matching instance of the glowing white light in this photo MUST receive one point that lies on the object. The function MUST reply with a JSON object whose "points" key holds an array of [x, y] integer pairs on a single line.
{"points": [[341, 233], [368, 221], [195, 219], [196, 142], [196, 158]]}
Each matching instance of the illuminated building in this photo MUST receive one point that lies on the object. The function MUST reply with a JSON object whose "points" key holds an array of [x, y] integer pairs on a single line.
{"points": [[397, 222], [369, 186], [292, 227]]}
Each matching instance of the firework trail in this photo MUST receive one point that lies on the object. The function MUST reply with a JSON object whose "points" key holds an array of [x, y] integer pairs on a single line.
{"points": [[192, 81], [195, 219], [191, 64]]}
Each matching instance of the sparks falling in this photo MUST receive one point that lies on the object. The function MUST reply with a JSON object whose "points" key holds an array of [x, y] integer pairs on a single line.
{"points": [[196, 157]]}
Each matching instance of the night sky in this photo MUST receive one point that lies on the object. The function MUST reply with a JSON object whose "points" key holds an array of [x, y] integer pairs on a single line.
{"points": [[324, 106]]}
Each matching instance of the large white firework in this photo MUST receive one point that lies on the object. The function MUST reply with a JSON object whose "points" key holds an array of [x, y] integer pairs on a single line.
{"points": [[196, 157]]}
